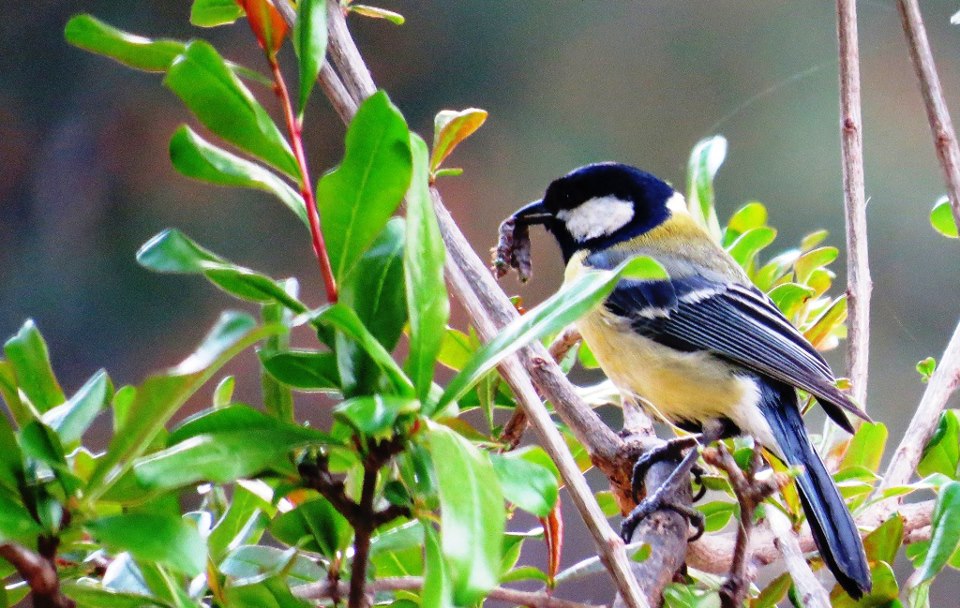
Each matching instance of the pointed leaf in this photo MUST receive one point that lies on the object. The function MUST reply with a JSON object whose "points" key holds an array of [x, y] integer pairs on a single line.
{"points": [[11, 394], [882, 544], [267, 24], [526, 483], [205, 83], [942, 452], [437, 586], [813, 259], [249, 564], [310, 43], [377, 13], [27, 353], [170, 541], [941, 218], [211, 13], [471, 514], [752, 215], [705, 161], [374, 416], [197, 158], [16, 523], [315, 526], [423, 267], [450, 128], [944, 534], [303, 369], [826, 324], [866, 447], [357, 198], [134, 51], [746, 247], [72, 419]]}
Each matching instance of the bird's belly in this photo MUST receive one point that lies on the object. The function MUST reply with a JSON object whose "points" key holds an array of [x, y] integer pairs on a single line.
{"points": [[679, 386]]}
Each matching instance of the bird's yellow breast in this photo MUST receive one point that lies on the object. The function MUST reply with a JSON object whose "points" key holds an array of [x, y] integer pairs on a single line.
{"points": [[679, 386]]}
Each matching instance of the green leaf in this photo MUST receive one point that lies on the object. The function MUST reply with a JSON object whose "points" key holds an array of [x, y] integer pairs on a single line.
{"points": [[161, 396], [269, 593], [746, 247], [925, 368], [883, 543], [716, 514], [374, 416], [357, 198], [346, 320], [375, 291], [306, 370], [40, 442], [471, 512], [437, 585], [278, 398], [941, 218], [866, 447], [71, 419], [790, 296], [377, 13], [16, 523], [91, 34], [450, 128], [705, 161], [211, 13], [813, 259], [314, 526], [88, 595], [825, 326], [199, 159], [456, 348], [205, 83], [245, 519], [11, 458], [423, 260], [942, 452], [252, 563], [166, 540], [11, 395], [525, 483], [310, 44], [773, 593], [750, 216], [27, 353], [775, 269], [223, 393], [558, 311], [944, 534]]}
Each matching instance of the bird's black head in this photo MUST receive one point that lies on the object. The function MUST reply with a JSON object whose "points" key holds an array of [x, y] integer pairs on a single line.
{"points": [[599, 205]]}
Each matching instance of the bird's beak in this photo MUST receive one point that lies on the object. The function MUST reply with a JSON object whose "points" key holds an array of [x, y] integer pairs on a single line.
{"points": [[533, 213]]}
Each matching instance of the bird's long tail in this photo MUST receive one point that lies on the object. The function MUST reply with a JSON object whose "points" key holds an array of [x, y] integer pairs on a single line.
{"points": [[831, 524]]}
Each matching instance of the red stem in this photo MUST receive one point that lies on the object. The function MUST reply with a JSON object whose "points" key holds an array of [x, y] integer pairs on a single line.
{"points": [[306, 190]]}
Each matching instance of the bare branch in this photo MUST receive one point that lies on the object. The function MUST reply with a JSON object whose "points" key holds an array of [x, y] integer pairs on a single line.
{"points": [[944, 137], [859, 283], [324, 590], [811, 592], [40, 575]]}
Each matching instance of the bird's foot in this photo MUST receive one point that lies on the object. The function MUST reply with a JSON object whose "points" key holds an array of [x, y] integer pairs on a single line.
{"points": [[657, 501], [672, 449]]}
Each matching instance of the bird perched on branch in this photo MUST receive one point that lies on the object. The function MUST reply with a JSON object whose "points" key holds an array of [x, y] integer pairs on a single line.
{"points": [[703, 349]]}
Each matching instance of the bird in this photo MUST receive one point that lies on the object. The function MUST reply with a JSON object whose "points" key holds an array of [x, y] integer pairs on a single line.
{"points": [[704, 349]]}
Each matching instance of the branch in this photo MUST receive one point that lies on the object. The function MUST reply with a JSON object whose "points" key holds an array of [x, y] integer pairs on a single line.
{"points": [[859, 284], [315, 591], [944, 137], [39, 574], [811, 592]]}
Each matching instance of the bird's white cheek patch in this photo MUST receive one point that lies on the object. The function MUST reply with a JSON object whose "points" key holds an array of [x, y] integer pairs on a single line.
{"points": [[677, 204], [601, 216]]}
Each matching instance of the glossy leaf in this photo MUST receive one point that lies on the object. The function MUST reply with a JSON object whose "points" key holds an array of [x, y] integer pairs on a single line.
{"points": [[27, 354], [211, 13], [266, 23], [746, 247], [471, 512], [752, 215], [303, 369], [235, 418], [775, 270], [195, 157], [790, 296], [525, 482], [153, 538], [346, 320], [310, 44], [11, 395], [944, 533], [40, 442], [705, 161], [883, 543], [375, 292], [558, 311], [941, 218], [223, 393], [11, 458], [315, 526], [450, 128], [134, 51], [942, 452], [456, 348], [88, 595], [813, 259], [278, 398], [252, 563], [357, 198], [71, 419], [716, 514], [866, 447], [16, 523], [268, 593], [374, 416], [205, 83], [158, 398], [377, 13], [773, 593], [437, 585], [423, 261]]}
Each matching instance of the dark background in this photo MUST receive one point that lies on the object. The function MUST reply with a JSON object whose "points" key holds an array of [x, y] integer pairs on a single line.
{"points": [[85, 179]]}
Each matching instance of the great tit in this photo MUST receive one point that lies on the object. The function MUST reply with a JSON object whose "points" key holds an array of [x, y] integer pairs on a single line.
{"points": [[704, 350]]}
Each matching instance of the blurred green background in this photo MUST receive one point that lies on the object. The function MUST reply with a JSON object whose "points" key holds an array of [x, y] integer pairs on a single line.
{"points": [[85, 179]]}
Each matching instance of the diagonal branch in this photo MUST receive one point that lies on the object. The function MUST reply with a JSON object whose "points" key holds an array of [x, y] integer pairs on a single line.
{"points": [[39, 573], [859, 284], [811, 592]]}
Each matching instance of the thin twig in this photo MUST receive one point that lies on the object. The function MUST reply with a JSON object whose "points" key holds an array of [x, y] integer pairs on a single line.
{"points": [[859, 283], [40, 575], [361, 536], [944, 137], [811, 592], [316, 591]]}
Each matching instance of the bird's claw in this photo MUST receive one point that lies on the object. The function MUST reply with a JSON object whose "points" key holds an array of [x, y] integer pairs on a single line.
{"points": [[657, 502], [671, 449]]}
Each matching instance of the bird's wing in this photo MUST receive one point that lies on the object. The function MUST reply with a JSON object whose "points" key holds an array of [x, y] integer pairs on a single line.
{"points": [[735, 322]]}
